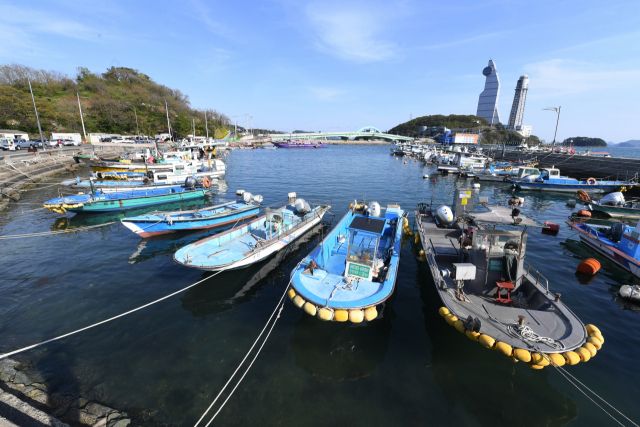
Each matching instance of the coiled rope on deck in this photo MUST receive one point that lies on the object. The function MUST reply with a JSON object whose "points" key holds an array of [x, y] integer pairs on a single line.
{"points": [[2, 356]]}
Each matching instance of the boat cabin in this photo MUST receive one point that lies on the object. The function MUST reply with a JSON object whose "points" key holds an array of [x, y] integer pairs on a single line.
{"points": [[364, 240], [550, 173], [527, 171], [498, 256]]}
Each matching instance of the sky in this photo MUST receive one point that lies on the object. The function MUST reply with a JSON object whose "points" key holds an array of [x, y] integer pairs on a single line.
{"points": [[344, 65]]}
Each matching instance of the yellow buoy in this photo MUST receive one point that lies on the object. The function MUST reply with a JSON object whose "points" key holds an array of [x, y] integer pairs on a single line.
{"points": [[370, 313], [596, 342], [325, 314], [539, 359], [460, 326], [597, 335], [584, 354], [571, 357], [356, 316], [556, 358], [486, 341], [443, 311], [421, 253], [534, 366], [341, 315], [297, 300], [417, 240], [522, 355], [292, 294], [473, 336], [504, 348], [309, 308], [592, 328], [592, 348], [450, 318]]}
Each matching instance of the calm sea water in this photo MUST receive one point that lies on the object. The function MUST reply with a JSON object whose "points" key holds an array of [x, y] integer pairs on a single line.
{"points": [[166, 363]]}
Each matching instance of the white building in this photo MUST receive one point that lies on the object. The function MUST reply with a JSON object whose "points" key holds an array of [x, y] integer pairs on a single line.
{"points": [[524, 130], [488, 101], [519, 99], [72, 136], [13, 134]]}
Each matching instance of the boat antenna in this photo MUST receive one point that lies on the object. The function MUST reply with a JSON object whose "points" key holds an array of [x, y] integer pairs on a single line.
{"points": [[37, 119]]}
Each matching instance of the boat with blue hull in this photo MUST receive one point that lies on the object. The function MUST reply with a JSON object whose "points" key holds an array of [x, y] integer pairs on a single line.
{"points": [[98, 201], [550, 180], [158, 223], [355, 267], [620, 243], [255, 240]]}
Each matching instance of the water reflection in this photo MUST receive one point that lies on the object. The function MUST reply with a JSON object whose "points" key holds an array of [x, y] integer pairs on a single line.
{"points": [[341, 351], [486, 384]]}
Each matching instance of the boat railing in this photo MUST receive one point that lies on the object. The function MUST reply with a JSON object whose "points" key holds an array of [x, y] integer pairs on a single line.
{"points": [[539, 277], [313, 202]]}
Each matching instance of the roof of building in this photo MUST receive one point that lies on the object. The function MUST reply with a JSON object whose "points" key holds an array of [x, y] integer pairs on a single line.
{"points": [[12, 131]]}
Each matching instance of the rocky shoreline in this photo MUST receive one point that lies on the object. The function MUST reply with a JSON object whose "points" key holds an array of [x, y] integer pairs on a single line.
{"points": [[25, 400]]}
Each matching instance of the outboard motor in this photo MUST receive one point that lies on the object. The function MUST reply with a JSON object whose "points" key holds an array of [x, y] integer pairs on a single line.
{"points": [[617, 230], [373, 209], [302, 207], [444, 215], [190, 182]]}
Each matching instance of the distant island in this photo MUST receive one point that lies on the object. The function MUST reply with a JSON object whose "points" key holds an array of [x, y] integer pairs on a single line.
{"points": [[583, 141], [495, 134], [632, 143]]}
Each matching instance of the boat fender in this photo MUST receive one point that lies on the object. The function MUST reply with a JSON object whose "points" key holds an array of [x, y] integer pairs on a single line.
{"points": [[571, 357], [534, 366], [450, 318], [589, 266], [443, 311], [556, 359], [291, 293], [325, 313], [584, 196], [459, 325], [596, 342], [486, 341], [472, 335], [584, 213], [522, 355], [539, 359], [370, 313], [206, 183], [341, 315], [422, 256], [504, 348], [298, 301], [356, 316], [309, 308], [592, 348], [591, 181], [592, 328], [584, 354], [597, 335], [417, 239]]}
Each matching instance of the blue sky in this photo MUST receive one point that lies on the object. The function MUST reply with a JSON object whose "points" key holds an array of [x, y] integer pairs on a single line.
{"points": [[344, 65]]}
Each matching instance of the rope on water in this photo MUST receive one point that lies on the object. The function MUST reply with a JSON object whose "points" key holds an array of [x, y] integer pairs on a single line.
{"points": [[278, 309], [50, 233], [2, 356]]}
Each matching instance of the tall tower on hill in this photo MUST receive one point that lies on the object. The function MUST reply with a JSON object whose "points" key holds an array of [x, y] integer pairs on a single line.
{"points": [[488, 102], [519, 99]]}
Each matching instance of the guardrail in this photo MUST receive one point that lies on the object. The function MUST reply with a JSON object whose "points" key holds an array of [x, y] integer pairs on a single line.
{"points": [[540, 276]]}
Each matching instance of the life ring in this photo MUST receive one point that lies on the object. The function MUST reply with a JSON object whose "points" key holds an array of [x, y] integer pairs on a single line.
{"points": [[206, 183], [592, 181]]}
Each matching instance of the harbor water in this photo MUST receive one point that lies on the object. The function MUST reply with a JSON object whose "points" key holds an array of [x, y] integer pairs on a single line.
{"points": [[166, 363]]}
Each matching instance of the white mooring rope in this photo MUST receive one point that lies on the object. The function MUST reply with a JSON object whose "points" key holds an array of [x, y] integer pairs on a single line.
{"points": [[50, 233]]}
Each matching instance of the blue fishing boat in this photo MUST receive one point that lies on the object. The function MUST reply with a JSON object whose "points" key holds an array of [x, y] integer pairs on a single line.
{"points": [[619, 242], [255, 240], [550, 180], [158, 223], [355, 267], [98, 201]]}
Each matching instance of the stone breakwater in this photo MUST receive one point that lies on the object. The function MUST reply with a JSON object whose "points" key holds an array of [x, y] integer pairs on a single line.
{"points": [[25, 400]]}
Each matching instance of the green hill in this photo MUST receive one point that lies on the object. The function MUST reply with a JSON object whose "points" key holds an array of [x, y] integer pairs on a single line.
{"points": [[632, 143], [108, 102], [583, 141]]}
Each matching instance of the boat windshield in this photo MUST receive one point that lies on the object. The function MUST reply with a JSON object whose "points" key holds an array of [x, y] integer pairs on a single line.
{"points": [[500, 241], [362, 247]]}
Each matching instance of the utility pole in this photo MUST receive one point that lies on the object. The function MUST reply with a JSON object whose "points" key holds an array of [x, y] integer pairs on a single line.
{"points": [[251, 125], [235, 121], [193, 123], [81, 119], [137, 127], [37, 119], [206, 126], [168, 123], [246, 121], [557, 110]]}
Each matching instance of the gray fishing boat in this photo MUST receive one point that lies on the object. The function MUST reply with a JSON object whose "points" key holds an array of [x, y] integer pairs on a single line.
{"points": [[490, 292]]}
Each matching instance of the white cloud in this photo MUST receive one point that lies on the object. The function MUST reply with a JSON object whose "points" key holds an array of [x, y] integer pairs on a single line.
{"points": [[325, 94], [559, 77], [352, 34]]}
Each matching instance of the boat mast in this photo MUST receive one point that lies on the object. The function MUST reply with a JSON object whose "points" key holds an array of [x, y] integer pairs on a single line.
{"points": [[37, 119], [168, 123], [206, 126], [81, 118]]}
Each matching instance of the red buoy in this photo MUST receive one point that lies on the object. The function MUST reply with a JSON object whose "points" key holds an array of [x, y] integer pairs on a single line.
{"points": [[550, 228], [584, 213], [589, 266]]}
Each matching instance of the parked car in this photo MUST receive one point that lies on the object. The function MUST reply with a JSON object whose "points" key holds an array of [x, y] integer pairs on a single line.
{"points": [[35, 143], [70, 142]]}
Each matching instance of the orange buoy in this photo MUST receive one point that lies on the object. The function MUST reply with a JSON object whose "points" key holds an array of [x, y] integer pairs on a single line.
{"points": [[589, 266], [584, 213]]}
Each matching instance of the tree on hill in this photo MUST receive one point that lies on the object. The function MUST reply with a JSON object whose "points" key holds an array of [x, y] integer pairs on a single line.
{"points": [[108, 102], [451, 121], [583, 141]]}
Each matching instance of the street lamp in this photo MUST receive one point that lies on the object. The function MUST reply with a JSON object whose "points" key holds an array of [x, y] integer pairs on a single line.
{"points": [[557, 110]]}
